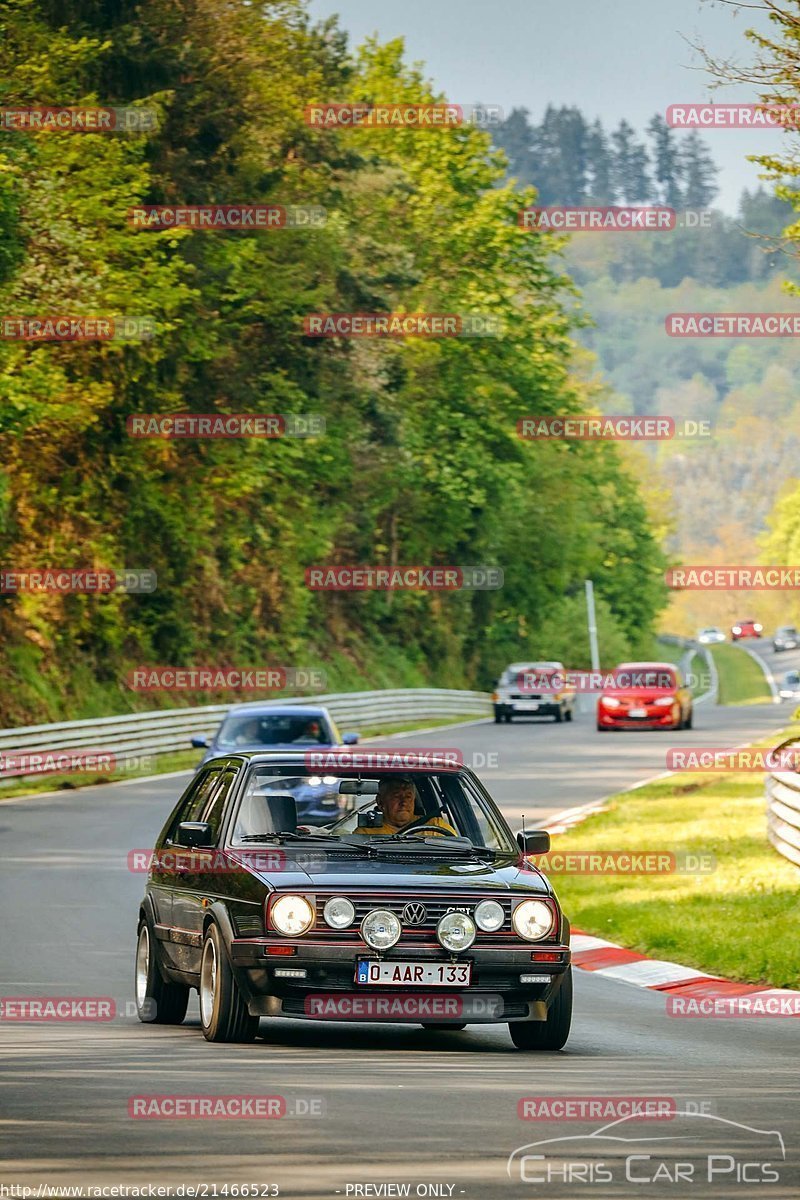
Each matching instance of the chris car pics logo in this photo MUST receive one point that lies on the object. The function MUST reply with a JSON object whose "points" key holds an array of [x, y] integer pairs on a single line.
{"points": [[693, 1150]]}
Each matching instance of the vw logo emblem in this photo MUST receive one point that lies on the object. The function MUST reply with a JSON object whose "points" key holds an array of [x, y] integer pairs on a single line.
{"points": [[414, 914]]}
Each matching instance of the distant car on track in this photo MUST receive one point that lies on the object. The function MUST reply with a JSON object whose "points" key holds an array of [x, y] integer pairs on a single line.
{"points": [[443, 915], [647, 695], [710, 636], [533, 689], [785, 638], [746, 629], [790, 686], [259, 726]]}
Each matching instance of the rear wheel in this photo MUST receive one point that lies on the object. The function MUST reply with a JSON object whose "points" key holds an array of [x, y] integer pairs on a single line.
{"points": [[223, 1012], [552, 1033], [157, 1001]]}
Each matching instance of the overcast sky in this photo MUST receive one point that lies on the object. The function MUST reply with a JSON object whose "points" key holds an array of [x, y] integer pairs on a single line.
{"points": [[611, 58]]}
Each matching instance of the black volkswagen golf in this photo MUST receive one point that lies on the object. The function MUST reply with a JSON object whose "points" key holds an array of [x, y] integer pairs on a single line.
{"points": [[414, 902]]}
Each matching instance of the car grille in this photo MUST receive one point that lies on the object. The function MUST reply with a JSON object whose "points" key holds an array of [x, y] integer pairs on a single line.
{"points": [[435, 908]]}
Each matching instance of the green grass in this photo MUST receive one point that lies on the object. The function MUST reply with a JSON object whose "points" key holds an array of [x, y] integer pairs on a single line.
{"points": [[740, 921], [741, 680]]}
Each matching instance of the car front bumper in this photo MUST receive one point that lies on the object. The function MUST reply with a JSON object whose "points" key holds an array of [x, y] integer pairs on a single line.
{"points": [[329, 992]]}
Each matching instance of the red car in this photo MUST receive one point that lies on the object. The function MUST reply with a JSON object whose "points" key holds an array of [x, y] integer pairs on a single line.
{"points": [[745, 629], [645, 695]]}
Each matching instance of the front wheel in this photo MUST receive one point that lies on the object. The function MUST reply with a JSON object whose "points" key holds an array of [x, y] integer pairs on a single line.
{"points": [[157, 1002], [223, 1012], [568, 715], [687, 724], [558, 716], [552, 1033]]}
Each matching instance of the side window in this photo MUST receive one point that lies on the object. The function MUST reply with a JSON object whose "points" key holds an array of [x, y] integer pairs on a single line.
{"points": [[216, 799], [196, 798]]}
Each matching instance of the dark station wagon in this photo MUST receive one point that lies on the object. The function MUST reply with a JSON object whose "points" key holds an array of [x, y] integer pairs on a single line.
{"points": [[414, 902]]}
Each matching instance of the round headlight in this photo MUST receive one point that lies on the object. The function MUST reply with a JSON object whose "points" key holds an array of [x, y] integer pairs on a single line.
{"points": [[609, 701], [456, 931], [292, 915], [380, 929], [532, 920], [339, 912], [489, 916]]}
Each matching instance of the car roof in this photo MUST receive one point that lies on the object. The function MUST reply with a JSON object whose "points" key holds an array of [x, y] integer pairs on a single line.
{"points": [[275, 708], [650, 666], [526, 666]]}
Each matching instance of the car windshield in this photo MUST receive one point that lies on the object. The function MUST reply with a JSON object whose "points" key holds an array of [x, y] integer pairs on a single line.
{"points": [[634, 676], [273, 729], [369, 810]]}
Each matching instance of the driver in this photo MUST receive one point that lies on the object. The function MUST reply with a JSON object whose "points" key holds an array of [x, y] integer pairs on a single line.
{"points": [[396, 799]]}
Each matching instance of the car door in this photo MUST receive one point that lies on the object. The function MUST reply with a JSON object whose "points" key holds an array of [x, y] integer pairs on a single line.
{"points": [[171, 860], [199, 871], [161, 881]]}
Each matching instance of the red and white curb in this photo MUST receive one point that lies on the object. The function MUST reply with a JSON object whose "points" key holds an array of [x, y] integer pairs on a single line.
{"points": [[626, 966]]}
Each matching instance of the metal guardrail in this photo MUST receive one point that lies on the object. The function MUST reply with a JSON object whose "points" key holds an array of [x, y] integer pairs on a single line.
{"points": [[783, 811], [163, 730]]}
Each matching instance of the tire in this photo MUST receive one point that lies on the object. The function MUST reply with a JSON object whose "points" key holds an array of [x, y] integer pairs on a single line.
{"points": [[508, 718], [497, 717], [552, 1033], [568, 715], [558, 716], [441, 1026], [223, 1012], [687, 724], [157, 1001]]}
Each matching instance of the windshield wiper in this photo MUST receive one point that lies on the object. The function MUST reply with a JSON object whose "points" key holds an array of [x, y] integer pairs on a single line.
{"points": [[292, 837]]}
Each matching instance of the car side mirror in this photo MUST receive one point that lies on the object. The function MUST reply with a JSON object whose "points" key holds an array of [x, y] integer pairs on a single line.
{"points": [[349, 739], [537, 842], [200, 743], [194, 833]]}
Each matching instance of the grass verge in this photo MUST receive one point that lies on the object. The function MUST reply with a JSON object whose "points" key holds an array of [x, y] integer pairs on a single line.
{"points": [[741, 680], [739, 921]]}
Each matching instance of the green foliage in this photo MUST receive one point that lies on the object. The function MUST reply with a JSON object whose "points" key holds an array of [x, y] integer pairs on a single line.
{"points": [[420, 462]]}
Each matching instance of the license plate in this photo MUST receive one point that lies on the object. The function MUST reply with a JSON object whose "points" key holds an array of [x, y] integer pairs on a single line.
{"points": [[526, 707], [637, 712], [411, 974]]}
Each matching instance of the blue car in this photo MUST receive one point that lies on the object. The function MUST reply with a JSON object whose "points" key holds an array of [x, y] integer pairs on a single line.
{"points": [[259, 726]]}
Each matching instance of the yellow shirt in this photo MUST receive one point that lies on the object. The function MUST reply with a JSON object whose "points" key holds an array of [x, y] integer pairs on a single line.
{"points": [[388, 830]]}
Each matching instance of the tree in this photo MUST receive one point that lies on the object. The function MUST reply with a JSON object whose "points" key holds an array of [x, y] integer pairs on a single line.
{"points": [[630, 170], [666, 162], [697, 171]]}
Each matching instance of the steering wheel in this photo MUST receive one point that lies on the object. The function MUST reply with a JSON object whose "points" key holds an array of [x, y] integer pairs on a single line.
{"points": [[404, 833]]}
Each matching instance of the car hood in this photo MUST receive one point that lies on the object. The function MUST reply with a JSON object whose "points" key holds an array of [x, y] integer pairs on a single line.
{"points": [[313, 868]]}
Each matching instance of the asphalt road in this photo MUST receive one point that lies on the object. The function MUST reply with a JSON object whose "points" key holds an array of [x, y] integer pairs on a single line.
{"points": [[394, 1105]]}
